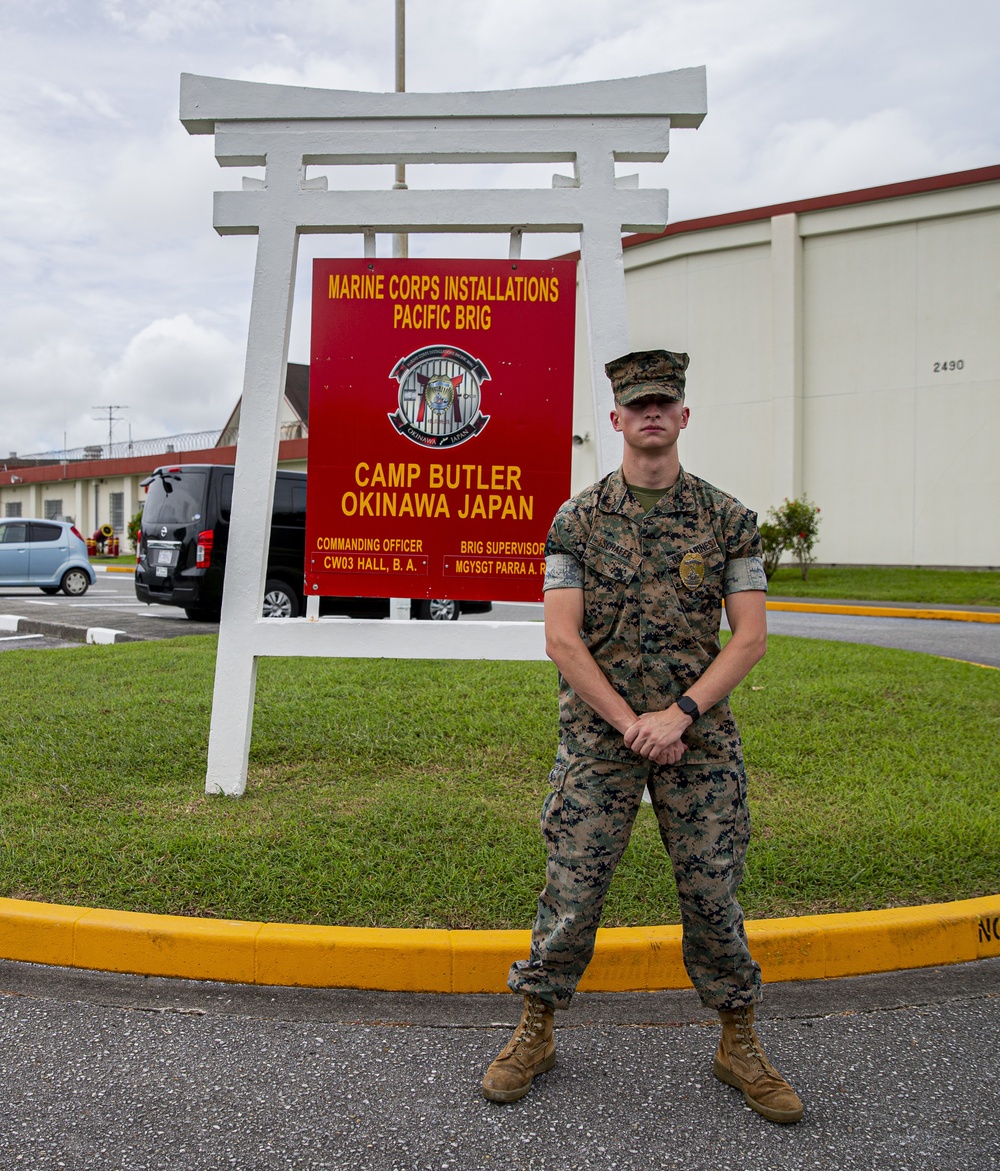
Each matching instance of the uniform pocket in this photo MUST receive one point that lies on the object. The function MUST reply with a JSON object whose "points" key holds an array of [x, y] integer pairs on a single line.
{"points": [[557, 777], [608, 576]]}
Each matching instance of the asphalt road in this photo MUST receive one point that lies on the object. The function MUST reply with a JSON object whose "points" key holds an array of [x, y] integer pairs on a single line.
{"points": [[112, 603], [897, 1072], [975, 642]]}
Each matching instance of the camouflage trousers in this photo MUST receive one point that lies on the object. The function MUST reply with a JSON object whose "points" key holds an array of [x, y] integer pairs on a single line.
{"points": [[586, 821]]}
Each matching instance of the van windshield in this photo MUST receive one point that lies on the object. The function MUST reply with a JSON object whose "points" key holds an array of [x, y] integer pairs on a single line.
{"points": [[177, 498]]}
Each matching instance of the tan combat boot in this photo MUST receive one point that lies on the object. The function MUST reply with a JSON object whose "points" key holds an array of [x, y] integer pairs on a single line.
{"points": [[531, 1050], [740, 1062]]}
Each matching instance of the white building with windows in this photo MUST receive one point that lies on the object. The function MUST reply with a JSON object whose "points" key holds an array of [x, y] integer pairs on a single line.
{"points": [[106, 488]]}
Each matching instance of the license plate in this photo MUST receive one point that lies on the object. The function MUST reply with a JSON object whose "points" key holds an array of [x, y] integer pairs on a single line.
{"points": [[161, 571]]}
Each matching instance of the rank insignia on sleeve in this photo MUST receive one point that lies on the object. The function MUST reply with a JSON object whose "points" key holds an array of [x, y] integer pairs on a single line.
{"points": [[692, 570]]}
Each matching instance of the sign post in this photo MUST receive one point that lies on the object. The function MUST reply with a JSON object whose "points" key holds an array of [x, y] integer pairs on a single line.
{"points": [[287, 130]]}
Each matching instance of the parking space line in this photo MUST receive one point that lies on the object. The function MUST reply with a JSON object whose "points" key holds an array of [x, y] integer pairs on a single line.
{"points": [[105, 605]]}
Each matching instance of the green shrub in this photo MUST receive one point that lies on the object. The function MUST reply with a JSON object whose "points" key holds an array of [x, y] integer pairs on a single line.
{"points": [[797, 527], [133, 530], [773, 543]]}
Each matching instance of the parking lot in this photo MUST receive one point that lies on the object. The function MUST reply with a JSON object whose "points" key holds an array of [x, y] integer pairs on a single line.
{"points": [[112, 603]]}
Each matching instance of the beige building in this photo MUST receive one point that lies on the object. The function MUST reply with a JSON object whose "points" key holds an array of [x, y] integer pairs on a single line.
{"points": [[846, 347]]}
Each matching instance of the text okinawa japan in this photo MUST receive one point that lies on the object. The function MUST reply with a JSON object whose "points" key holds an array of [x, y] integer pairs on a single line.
{"points": [[440, 422]]}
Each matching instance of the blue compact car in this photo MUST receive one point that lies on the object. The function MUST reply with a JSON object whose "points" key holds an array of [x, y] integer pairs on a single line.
{"points": [[49, 554]]}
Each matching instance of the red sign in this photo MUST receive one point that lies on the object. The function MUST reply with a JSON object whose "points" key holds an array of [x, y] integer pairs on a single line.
{"points": [[440, 423]]}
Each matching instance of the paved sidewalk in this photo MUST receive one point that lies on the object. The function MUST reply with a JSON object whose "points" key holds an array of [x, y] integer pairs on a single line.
{"points": [[898, 1072]]}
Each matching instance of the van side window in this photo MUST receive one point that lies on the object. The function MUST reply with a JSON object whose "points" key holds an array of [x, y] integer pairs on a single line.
{"points": [[289, 502], [226, 497]]}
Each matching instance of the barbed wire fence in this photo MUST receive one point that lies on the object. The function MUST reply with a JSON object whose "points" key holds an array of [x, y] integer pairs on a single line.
{"points": [[163, 445]]}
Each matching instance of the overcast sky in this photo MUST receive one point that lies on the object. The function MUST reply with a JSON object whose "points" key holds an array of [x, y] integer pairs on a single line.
{"points": [[116, 290]]}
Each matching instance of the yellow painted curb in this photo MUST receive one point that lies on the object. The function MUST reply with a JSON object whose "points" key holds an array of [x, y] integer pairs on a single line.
{"points": [[627, 959], [886, 611]]}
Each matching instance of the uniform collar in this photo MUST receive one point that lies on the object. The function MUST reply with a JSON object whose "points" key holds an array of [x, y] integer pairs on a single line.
{"points": [[615, 497]]}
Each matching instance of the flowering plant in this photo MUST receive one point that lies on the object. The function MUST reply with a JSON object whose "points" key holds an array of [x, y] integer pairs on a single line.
{"points": [[796, 526]]}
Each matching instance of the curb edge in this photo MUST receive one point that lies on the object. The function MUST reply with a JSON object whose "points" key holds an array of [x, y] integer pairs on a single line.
{"points": [[627, 959]]}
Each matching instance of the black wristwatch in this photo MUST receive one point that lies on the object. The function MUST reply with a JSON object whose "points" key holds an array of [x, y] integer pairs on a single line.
{"points": [[688, 707]]}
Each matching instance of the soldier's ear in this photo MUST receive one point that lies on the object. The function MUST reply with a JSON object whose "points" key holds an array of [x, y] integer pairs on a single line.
{"points": [[615, 420]]}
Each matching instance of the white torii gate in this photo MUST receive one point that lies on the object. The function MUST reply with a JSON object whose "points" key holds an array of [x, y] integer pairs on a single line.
{"points": [[287, 129]]}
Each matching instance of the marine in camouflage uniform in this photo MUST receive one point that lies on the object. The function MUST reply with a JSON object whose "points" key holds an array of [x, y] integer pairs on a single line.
{"points": [[653, 636], [651, 568]]}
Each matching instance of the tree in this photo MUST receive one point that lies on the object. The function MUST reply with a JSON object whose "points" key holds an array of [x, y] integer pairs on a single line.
{"points": [[797, 522]]}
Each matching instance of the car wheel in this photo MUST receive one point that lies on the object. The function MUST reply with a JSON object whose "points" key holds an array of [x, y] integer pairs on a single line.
{"points": [[75, 583], [438, 610], [49, 589], [279, 600]]}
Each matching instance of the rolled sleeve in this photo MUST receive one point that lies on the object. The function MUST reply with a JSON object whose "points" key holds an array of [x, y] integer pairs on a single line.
{"points": [[562, 572], [742, 574]]}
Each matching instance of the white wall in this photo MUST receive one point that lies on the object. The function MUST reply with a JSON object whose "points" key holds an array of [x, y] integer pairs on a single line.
{"points": [[813, 339]]}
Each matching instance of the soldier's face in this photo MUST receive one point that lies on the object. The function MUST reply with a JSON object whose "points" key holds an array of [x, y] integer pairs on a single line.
{"points": [[652, 423]]}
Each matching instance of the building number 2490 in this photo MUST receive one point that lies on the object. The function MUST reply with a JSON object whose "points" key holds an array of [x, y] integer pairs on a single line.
{"points": [[954, 364]]}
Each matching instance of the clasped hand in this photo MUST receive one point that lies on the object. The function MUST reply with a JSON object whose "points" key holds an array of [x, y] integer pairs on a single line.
{"points": [[657, 735]]}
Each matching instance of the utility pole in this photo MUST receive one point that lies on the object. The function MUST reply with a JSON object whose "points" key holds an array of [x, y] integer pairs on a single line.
{"points": [[112, 418], [400, 240]]}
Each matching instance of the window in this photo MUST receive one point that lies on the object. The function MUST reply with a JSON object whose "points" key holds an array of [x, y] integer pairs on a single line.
{"points": [[15, 534], [226, 504], [289, 506], [42, 532], [117, 503], [175, 498], [52, 510], [12, 509]]}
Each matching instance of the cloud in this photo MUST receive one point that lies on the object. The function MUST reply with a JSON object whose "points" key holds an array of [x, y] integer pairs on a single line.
{"points": [[157, 21], [816, 155], [115, 288], [174, 375]]}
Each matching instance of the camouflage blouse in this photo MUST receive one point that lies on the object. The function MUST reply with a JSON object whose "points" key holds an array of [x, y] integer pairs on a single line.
{"points": [[653, 586]]}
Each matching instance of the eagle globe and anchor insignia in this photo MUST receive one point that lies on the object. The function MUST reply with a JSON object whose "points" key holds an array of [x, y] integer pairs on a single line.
{"points": [[439, 396]]}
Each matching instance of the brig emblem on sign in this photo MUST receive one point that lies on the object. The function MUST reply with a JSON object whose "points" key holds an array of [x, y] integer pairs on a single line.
{"points": [[439, 396]]}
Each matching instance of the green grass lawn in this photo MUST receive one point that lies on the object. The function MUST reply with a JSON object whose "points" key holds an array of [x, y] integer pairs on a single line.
{"points": [[890, 584], [395, 793], [122, 559]]}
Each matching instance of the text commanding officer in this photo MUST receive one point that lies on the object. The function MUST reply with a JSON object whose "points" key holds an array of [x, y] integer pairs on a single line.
{"points": [[637, 566]]}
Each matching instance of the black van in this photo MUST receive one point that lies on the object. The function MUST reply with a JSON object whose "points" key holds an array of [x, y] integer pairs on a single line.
{"points": [[184, 536]]}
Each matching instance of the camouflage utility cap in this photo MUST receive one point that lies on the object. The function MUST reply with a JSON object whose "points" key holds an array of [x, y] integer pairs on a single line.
{"points": [[647, 372]]}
